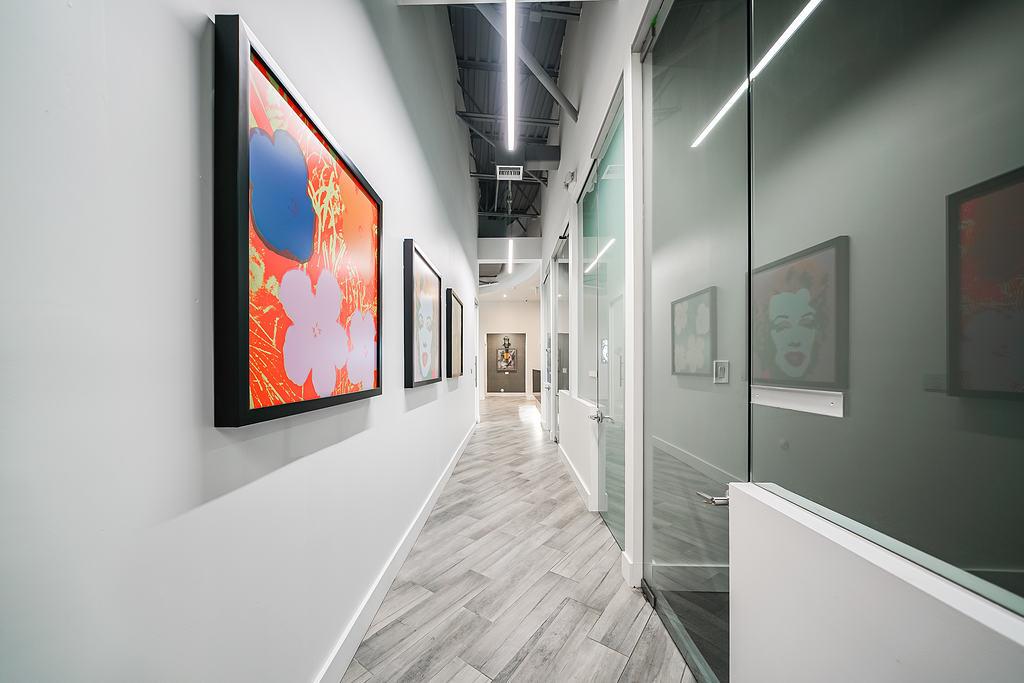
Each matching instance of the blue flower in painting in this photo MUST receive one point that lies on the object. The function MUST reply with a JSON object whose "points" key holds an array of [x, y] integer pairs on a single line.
{"points": [[281, 209]]}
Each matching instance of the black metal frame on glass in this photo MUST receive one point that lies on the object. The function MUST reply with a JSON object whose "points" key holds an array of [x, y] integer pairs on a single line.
{"points": [[411, 251], [451, 335], [234, 46], [841, 246], [954, 329], [711, 291]]}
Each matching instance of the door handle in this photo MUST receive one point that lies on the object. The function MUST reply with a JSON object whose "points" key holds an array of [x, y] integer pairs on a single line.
{"points": [[713, 500], [597, 417]]}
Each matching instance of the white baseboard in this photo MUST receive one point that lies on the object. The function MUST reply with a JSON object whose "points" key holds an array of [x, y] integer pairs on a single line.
{"points": [[632, 572], [340, 658], [581, 488]]}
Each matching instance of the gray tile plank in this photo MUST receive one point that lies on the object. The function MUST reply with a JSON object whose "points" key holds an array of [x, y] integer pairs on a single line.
{"points": [[622, 621], [655, 658]]}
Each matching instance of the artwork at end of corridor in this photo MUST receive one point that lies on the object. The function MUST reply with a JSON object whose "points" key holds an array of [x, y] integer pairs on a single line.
{"points": [[986, 288], [297, 265], [505, 357], [800, 318], [694, 333], [422, 319]]}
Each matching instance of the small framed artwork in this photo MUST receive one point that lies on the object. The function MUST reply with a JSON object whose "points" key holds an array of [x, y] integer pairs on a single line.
{"points": [[693, 333], [505, 358], [296, 248], [985, 289], [800, 318], [422, 319], [453, 345]]}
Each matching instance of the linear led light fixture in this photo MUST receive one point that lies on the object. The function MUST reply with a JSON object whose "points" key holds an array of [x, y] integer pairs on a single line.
{"points": [[758, 68], [510, 73], [599, 255], [510, 262]]}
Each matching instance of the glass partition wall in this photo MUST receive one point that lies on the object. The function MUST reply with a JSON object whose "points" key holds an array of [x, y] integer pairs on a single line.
{"points": [[695, 423], [895, 127], [846, 226], [603, 327]]}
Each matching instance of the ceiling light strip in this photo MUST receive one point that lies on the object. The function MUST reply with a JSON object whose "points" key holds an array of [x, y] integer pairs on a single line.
{"points": [[768, 56], [510, 73]]}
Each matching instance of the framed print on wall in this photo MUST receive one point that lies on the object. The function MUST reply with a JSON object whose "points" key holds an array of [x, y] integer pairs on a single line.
{"points": [[985, 289], [800, 318], [422, 319], [505, 357], [453, 341], [694, 330], [296, 248]]}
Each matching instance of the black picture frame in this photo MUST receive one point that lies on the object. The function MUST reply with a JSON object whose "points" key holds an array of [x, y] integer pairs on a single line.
{"points": [[234, 46], [954, 328], [841, 246], [410, 252], [452, 335], [712, 293]]}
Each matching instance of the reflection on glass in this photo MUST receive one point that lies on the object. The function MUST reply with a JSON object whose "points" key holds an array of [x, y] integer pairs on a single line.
{"points": [[897, 124]]}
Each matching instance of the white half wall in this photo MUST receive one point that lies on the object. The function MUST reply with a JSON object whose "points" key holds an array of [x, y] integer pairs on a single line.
{"points": [[810, 602], [578, 446], [140, 543]]}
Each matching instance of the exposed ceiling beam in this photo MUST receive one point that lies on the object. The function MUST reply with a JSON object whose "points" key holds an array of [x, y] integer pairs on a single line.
{"points": [[557, 13], [493, 144], [526, 120], [502, 214], [478, 65], [495, 20], [491, 176]]}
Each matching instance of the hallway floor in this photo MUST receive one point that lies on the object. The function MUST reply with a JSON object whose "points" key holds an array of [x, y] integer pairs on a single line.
{"points": [[512, 579]]}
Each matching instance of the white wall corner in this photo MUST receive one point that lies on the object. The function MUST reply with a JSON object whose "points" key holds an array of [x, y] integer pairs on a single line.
{"points": [[338, 661], [806, 590]]}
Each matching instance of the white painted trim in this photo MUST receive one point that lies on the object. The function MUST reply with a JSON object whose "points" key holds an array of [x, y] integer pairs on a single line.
{"points": [[635, 275], [967, 603], [341, 656], [581, 486], [828, 403], [632, 572]]}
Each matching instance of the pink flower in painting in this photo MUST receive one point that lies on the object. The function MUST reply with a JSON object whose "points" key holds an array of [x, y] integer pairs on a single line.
{"points": [[315, 343], [362, 361]]}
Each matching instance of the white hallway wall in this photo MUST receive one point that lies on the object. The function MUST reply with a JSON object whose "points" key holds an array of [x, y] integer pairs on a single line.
{"points": [[139, 542], [498, 317]]}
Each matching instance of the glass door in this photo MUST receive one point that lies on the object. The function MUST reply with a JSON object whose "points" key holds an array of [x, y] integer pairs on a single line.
{"points": [[695, 382], [604, 328], [560, 342]]}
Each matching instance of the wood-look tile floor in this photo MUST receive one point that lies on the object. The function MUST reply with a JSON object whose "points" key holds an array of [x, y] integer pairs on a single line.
{"points": [[512, 579]]}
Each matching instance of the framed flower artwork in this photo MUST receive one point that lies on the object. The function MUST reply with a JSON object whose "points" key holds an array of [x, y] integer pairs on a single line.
{"points": [[296, 248], [694, 333], [985, 345], [422, 319], [453, 340], [800, 318]]}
